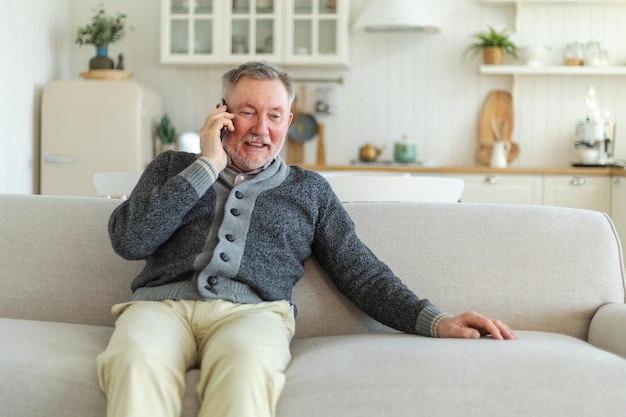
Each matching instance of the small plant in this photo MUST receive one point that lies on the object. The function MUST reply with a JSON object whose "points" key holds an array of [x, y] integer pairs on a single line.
{"points": [[492, 39], [103, 30], [166, 131]]}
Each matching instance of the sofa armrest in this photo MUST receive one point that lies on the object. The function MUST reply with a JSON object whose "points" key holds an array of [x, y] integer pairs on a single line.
{"points": [[608, 328]]}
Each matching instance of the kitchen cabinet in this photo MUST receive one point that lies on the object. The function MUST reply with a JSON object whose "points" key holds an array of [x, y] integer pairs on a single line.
{"points": [[316, 32], [585, 192], [501, 188], [311, 32], [189, 31], [618, 207]]}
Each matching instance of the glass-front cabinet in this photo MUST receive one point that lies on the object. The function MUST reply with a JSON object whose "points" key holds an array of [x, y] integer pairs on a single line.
{"points": [[252, 31], [316, 31], [188, 31], [235, 31]]}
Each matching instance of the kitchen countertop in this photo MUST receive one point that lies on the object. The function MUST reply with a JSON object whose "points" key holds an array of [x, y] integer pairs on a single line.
{"points": [[414, 168]]}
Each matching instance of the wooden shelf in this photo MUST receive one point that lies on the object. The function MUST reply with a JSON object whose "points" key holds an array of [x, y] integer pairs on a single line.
{"points": [[550, 70], [548, 2]]}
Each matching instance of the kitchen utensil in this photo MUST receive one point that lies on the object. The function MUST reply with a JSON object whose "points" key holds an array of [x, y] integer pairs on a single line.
{"points": [[574, 54], [593, 54], [303, 128], [404, 151], [594, 143], [483, 156], [498, 128], [321, 144], [499, 153], [533, 55], [322, 105], [498, 105], [369, 152]]}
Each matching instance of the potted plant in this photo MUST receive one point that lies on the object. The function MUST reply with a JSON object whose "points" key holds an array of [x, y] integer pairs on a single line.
{"points": [[167, 133], [493, 45], [101, 32]]}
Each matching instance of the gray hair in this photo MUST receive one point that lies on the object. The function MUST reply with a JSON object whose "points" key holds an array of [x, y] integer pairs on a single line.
{"points": [[258, 70]]}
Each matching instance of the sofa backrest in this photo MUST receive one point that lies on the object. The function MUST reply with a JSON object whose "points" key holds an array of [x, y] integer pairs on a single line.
{"points": [[536, 267], [56, 260]]}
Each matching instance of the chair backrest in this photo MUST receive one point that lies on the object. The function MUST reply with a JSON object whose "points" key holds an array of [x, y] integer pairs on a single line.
{"points": [[375, 188], [115, 184]]}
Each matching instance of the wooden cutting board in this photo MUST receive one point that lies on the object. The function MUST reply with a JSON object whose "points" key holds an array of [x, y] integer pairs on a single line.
{"points": [[498, 105]]}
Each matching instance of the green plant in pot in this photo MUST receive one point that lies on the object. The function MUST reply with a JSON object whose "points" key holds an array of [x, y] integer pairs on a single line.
{"points": [[101, 32], [493, 44], [166, 132]]}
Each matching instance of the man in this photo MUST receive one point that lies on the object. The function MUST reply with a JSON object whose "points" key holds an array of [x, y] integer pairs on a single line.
{"points": [[224, 235]]}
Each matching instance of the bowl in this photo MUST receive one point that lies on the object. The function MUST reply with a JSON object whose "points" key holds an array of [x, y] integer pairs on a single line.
{"points": [[533, 55]]}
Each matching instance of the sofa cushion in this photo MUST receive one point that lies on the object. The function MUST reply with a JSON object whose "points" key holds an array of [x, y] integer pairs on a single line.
{"points": [[49, 369], [59, 249], [540, 374]]}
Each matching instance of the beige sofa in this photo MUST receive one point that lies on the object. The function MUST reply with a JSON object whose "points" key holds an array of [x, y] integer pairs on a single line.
{"points": [[555, 275]]}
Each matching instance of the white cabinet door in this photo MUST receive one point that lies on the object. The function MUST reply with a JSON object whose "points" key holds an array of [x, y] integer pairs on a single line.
{"points": [[316, 32], [190, 31], [253, 31], [586, 192], [503, 189]]}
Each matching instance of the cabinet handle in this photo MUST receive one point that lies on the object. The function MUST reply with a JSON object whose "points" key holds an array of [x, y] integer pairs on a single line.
{"points": [[56, 159], [577, 180], [492, 179]]}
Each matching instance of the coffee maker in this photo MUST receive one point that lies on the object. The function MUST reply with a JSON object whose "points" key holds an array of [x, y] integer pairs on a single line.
{"points": [[594, 143]]}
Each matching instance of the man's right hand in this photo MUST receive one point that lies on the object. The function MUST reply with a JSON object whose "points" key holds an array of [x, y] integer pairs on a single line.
{"points": [[210, 140]]}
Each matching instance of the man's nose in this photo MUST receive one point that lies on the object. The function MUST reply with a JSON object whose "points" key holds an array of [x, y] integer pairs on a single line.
{"points": [[260, 126]]}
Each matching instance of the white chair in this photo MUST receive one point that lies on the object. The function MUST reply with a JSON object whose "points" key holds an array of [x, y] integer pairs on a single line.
{"points": [[388, 188], [115, 184]]}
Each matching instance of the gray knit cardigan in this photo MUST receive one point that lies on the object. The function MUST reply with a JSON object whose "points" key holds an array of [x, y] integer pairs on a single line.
{"points": [[202, 238]]}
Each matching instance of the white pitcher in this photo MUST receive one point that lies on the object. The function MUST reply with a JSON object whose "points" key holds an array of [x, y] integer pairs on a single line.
{"points": [[499, 154]]}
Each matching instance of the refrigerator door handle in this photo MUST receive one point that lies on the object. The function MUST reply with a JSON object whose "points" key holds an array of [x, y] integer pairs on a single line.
{"points": [[58, 159]]}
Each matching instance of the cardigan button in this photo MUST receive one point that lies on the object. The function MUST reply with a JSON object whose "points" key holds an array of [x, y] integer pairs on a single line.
{"points": [[235, 212], [212, 280], [238, 194], [230, 237], [224, 257]]}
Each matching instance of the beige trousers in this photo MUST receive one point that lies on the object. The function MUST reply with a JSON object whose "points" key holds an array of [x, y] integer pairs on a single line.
{"points": [[242, 351]]}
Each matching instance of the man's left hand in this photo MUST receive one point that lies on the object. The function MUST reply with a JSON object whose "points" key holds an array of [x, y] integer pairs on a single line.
{"points": [[472, 325]]}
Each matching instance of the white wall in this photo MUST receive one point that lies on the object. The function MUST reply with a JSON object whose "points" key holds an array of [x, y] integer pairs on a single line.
{"points": [[35, 51], [397, 84]]}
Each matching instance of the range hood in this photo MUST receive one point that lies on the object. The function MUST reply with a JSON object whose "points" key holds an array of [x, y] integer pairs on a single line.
{"points": [[395, 16]]}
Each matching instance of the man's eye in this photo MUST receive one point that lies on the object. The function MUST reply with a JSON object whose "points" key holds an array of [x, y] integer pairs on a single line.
{"points": [[276, 117], [247, 114]]}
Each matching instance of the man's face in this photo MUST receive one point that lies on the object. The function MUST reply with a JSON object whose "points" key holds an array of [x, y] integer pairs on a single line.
{"points": [[262, 117]]}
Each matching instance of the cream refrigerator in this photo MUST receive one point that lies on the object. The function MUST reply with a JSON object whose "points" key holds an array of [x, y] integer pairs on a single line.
{"points": [[90, 126]]}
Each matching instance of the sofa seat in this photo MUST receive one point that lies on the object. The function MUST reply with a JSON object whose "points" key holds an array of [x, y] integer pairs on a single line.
{"points": [[355, 375], [52, 368], [403, 375]]}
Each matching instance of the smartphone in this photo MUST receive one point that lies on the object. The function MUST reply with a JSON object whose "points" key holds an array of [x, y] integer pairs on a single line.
{"points": [[224, 129]]}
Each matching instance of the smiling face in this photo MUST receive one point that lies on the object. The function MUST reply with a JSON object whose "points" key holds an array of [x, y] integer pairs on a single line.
{"points": [[262, 117]]}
